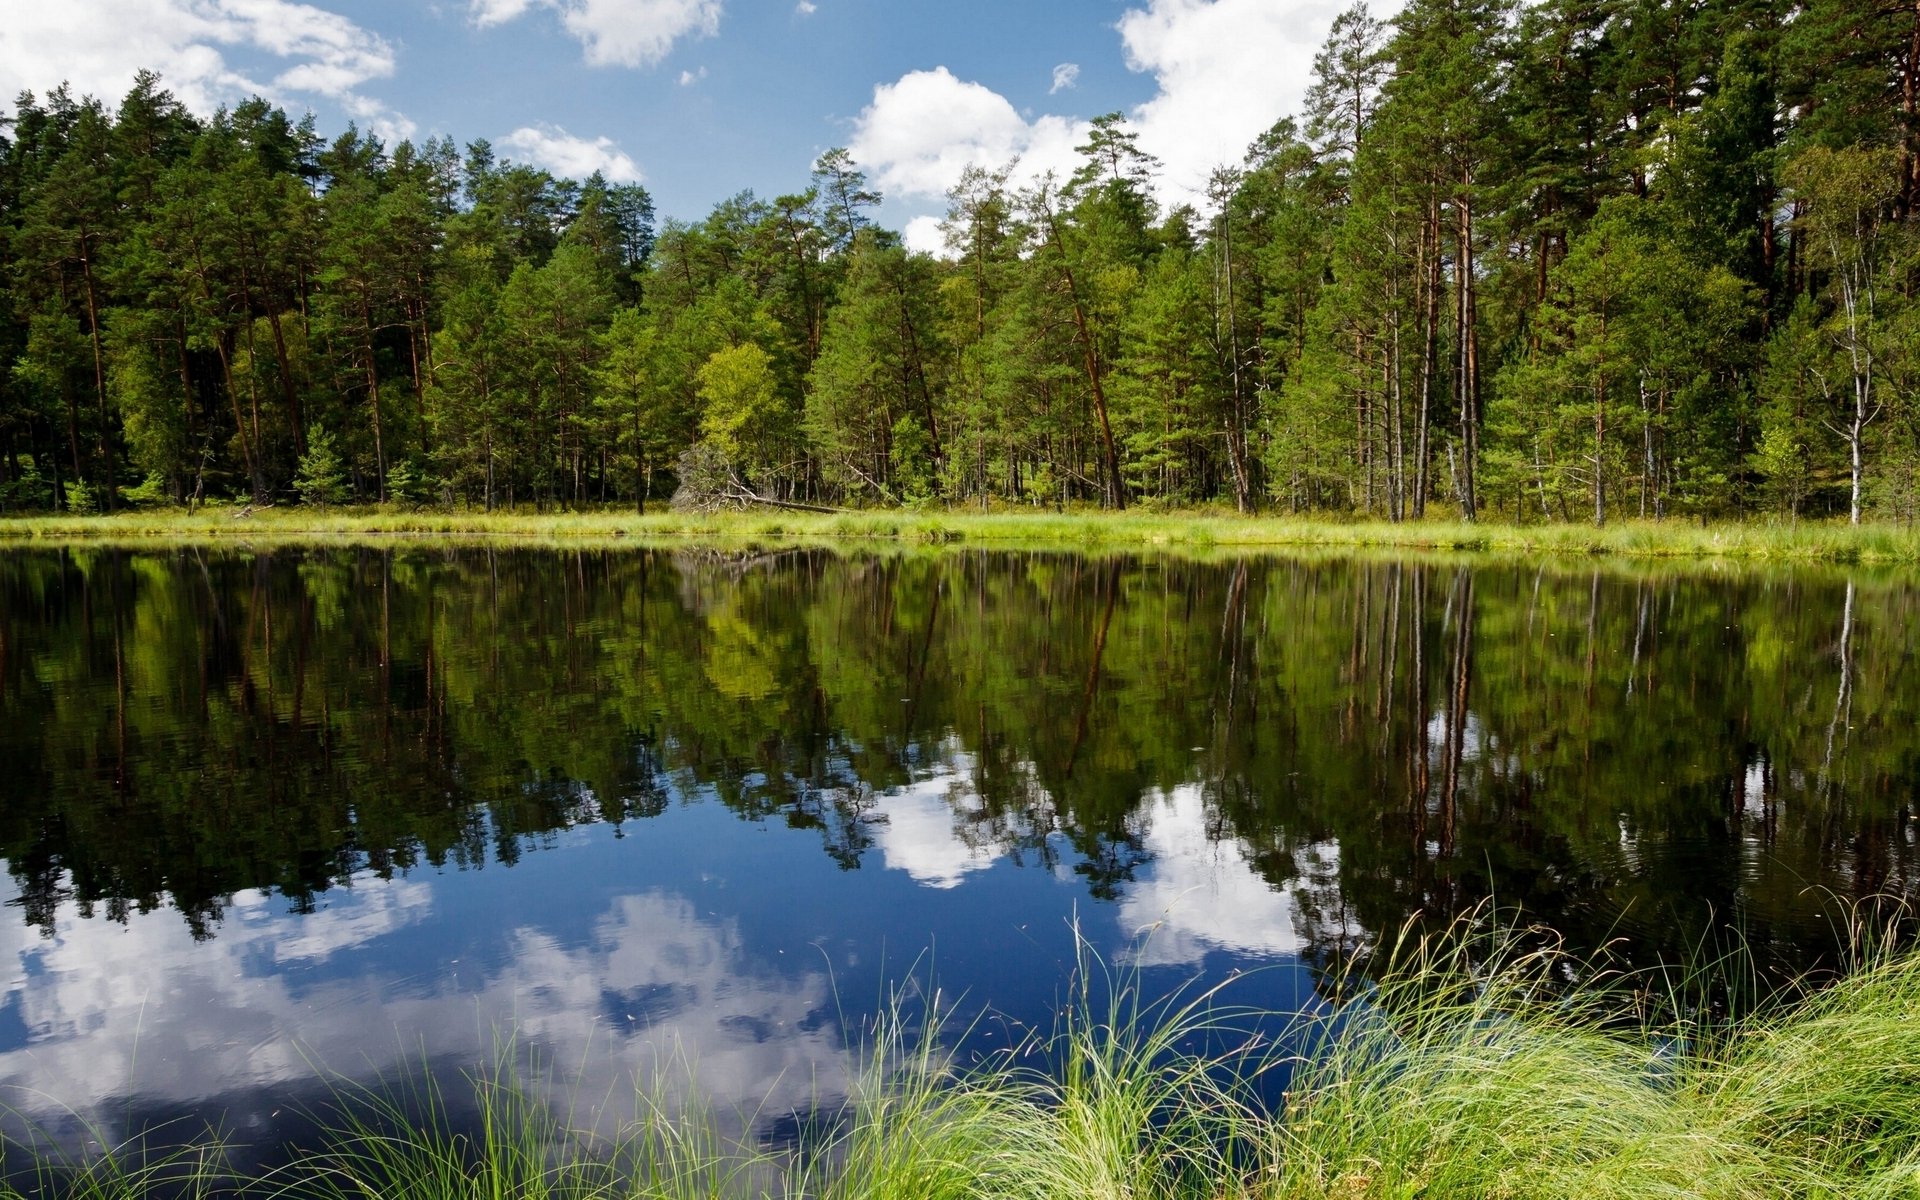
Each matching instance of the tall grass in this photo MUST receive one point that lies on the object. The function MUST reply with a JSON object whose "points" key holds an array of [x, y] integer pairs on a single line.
{"points": [[1805, 541], [161, 1161], [1471, 1065], [505, 1139]]}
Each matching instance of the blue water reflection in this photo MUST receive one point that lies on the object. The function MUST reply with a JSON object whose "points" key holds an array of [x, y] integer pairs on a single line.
{"points": [[687, 950], [691, 821]]}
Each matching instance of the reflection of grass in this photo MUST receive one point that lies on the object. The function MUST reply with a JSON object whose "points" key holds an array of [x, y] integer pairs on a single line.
{"points": [[1804, 541], [1477, 1068]]}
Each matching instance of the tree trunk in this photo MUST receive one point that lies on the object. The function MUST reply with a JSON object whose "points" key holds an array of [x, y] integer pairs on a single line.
{"points": [[1469, 356], [107, 499], [1116, 491], [1429, 356], [373, 399]]}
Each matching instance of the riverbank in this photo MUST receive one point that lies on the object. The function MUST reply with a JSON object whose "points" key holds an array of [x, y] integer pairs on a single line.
{"points": [[1451, 1076], [1753, 541]]}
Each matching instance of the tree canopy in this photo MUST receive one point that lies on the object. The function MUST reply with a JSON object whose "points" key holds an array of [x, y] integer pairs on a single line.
{"points": [[1551, 261]]}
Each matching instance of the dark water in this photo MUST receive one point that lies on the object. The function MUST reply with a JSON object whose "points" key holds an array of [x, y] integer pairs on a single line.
{"points": [[265, 814]]}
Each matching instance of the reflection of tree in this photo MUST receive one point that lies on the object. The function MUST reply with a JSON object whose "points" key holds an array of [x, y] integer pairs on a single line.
{"points": [[1630, 751]]}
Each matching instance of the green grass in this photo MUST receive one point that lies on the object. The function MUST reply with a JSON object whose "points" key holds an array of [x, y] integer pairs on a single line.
{"points": [[1481, 1067], [1210, 529]]}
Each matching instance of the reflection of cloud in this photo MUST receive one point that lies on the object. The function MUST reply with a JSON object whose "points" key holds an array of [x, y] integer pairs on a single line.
{"points": [[373, 907], [1202, 894], [920, 827], [115, 1010], [918, 830], [1199, 895], [1472, 738]]}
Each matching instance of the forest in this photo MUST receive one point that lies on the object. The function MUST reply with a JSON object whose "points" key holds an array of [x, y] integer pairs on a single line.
{"points": [[1561, 261]]}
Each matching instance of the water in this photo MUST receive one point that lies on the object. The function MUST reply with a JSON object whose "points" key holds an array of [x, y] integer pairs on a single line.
{"points": [[276, 820]]}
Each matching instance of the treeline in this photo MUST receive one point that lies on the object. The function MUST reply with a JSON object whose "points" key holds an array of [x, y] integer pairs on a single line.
{"points": [[1553, 261]]}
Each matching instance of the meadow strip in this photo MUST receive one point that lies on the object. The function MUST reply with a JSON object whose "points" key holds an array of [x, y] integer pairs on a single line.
{"points": [[1882, 544]]}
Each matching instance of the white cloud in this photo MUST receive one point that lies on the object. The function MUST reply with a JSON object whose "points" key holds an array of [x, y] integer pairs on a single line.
{"points": [[572, 157], [98, 46], [923, 129], [924, 235], [495, 12], [689, 78], [1227, 70], [805, 8], [623, 33]]}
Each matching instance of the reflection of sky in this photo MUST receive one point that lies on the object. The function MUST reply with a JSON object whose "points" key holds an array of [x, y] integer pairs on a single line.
{"points": [[111, 1010], [733, 950], [1203, 895], [1199, 895]]}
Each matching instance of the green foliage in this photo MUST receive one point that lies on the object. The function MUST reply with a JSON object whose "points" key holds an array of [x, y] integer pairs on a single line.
{"points": [[743, 415], [150, 491], [81, 498], [408, 484], [1537, 261], [912, 460], [1781, 459], [27, 490], [321, 479], [1639, 341]]}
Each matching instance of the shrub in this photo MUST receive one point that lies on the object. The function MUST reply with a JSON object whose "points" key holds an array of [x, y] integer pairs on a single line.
{"points": [[321, 478]]}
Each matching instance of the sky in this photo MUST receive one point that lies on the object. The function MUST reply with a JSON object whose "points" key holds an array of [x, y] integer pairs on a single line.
{"points": [[701, 99]]}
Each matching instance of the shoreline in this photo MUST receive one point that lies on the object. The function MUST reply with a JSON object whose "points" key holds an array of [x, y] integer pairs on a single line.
{"points": [[1808, 542]]}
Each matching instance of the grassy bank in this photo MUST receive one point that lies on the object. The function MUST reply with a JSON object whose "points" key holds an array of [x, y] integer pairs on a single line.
{"points": [[1459, 1077], [1804, 541]]}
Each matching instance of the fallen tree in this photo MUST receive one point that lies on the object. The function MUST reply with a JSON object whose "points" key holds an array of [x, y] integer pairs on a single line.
{"points": [[709, 483]]}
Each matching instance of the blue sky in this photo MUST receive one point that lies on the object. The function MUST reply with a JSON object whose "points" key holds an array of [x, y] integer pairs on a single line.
{"points": [[704, 98]]}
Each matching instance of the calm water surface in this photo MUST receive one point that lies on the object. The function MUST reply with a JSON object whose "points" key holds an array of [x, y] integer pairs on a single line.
{"points": [[272, 816]]}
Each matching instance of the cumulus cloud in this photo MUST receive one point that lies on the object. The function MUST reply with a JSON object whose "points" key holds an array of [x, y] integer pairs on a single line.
{"points": [[1226, 70], [689, 78], [98, 45], [615, 33], [806, 8], [564, 154], [496, 12], [922, 130], [924, 235]]}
